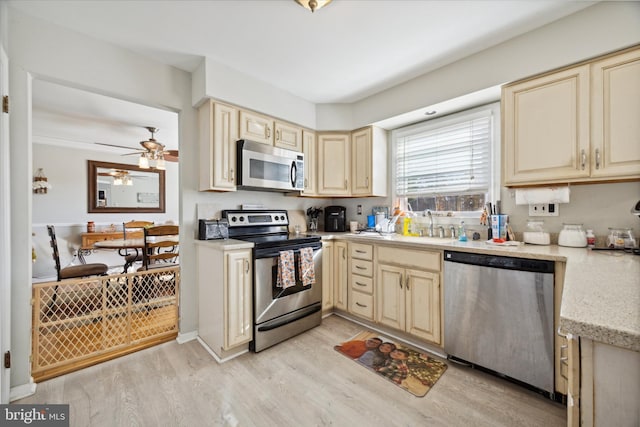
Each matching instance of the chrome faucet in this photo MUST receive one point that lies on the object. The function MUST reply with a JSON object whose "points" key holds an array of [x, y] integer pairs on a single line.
{"points": [[452, 231], [441, 232], [430, 223]]}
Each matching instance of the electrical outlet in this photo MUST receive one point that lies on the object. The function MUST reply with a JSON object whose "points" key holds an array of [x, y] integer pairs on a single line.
{"points": [[544, 209]]}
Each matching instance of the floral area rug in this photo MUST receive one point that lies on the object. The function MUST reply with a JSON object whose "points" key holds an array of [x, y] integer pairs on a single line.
{"points": [[409, 369]]}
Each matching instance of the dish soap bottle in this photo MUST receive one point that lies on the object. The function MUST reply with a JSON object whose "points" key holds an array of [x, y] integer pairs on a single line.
{"points": [[462, 233]]}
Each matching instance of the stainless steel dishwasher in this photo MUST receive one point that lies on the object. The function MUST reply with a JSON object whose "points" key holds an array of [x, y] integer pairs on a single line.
{"points": [[498, 314]]}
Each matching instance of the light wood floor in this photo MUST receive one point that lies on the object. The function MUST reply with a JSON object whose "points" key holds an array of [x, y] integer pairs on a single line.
{"points": [[300, 382]]}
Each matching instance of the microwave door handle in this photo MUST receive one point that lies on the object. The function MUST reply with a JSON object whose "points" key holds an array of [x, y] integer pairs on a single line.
{"points": [[294, 173]]}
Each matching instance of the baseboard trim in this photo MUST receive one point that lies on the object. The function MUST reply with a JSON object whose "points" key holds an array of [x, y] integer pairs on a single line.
{"points": [[215, 356], [186, 337], [22, 391]]}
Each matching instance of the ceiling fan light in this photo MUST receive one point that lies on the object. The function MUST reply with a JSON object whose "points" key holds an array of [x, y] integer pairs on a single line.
{"points": [[143, 162], [117, 181], [313, 5], [160, 163]]}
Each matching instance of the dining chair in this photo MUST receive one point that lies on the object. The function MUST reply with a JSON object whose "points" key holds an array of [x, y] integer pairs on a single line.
{"points": [[160, 249], [131, 258], [73, 271]]}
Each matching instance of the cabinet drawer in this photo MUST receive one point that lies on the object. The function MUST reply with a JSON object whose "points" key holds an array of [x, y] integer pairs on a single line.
{"points": [[428, 260], [364, 268], [362, 284], [360, 251], [361, 304]]}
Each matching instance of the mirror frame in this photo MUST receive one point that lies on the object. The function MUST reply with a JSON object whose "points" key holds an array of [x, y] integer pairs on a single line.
{"points": [[92, 186]]}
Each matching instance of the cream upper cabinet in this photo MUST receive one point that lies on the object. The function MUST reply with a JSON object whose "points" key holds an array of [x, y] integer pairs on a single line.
{"points": [[238, 298], [369, 162], [310, 163], [287, 136], [340, 291], [334, 162], [546, 128], [328, 276], [576, 125], [218, 135], [256, 127], [408, 295], [615, 116]]}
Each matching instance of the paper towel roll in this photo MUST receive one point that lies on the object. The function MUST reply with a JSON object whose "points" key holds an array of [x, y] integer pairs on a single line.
{"points": [[529, 196]]}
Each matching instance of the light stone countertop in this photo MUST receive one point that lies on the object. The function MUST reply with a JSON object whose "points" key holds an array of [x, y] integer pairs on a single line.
{"points": [[225, 245], [601, 295]]}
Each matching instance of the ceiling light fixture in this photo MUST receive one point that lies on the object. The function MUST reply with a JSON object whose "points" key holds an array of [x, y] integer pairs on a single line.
{"points": [[313, 5], [143, 162]]}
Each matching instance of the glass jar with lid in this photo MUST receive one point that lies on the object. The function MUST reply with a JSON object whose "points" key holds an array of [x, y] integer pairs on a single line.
{"points": [[535, 234], [621, 238], [572, 235]]}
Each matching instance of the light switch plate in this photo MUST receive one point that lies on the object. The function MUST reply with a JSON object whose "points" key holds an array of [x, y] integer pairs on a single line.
{"points": [[544, 209]]}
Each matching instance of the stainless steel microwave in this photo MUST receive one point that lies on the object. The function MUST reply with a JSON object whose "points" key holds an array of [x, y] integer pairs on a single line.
{"points": [[264, 167]]}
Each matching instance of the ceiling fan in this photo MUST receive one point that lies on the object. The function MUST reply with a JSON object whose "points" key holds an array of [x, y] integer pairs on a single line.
{"points": [[120, 177], [152, 150]]}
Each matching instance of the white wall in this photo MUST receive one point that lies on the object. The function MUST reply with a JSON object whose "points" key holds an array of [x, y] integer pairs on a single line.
{"points": [[38, 49], [66, 170]]}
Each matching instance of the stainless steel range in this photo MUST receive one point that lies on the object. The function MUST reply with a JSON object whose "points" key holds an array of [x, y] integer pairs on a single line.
{"points": [[279, 312]]}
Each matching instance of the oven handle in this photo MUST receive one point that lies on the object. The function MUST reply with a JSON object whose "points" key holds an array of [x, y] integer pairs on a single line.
{"points": [[305, 312], [275, 252]]}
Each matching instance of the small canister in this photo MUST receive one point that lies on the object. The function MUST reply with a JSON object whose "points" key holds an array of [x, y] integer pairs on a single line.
{"points": [[91, 227]]}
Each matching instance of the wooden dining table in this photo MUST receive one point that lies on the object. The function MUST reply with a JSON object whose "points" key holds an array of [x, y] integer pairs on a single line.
{"points": [[122, 245]]}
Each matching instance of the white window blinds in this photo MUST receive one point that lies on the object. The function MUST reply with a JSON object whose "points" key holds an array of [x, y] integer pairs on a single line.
{"points": [[446, 156]]}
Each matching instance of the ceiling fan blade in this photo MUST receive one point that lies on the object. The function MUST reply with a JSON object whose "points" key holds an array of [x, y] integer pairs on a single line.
{"points": [[119, 146], [170, 155]]}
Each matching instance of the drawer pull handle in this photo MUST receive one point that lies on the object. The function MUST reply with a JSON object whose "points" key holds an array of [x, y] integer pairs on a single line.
{"points": [[361, 305], [361, 284], [360, 252], [359, 267]]}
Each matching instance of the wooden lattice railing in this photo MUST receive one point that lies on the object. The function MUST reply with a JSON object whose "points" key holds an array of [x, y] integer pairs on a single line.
{"points": [[80, 322]]}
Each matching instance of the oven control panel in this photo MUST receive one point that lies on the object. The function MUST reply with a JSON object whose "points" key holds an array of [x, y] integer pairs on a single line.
{"points": [[255, 218]]}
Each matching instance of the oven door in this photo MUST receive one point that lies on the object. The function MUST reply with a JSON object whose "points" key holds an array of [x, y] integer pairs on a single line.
{"points": [[272, 301]]}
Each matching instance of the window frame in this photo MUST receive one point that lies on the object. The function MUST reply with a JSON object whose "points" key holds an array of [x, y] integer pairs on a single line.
{"points": [[449, 119]]}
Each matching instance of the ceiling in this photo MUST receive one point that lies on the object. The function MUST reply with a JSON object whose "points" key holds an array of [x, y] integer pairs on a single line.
{"points": [[342, 53]]}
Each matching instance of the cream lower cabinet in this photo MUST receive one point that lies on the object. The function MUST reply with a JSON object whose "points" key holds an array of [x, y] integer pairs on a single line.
{"points": [[609, 386], [225, 280], [218, 135], [361, 283], [328, 280], [408, 296], [341, 274]]}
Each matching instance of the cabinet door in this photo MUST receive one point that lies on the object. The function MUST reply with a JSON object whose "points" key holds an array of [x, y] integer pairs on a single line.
{"points": [[361, 162], [288, 136], [310, 162], [546, 128], [328, 280], [615, 137], [237, 299], [225, 135], [341, 276], [256, 127], [423, 304], [333, 164], [390, 296]]}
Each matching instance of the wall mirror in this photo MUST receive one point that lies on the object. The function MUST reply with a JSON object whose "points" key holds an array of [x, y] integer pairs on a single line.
{"points": [[122, 188]]}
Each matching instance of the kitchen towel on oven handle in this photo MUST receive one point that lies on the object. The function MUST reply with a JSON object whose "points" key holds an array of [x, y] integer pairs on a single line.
{"points": [[286, 270], [307, 270]]}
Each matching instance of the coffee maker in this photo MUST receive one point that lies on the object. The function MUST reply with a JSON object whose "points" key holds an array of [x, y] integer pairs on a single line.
{"points": [[335, 218]]}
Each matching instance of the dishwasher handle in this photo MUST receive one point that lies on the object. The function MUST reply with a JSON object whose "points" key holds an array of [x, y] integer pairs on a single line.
{"points": [[504, 262]]}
